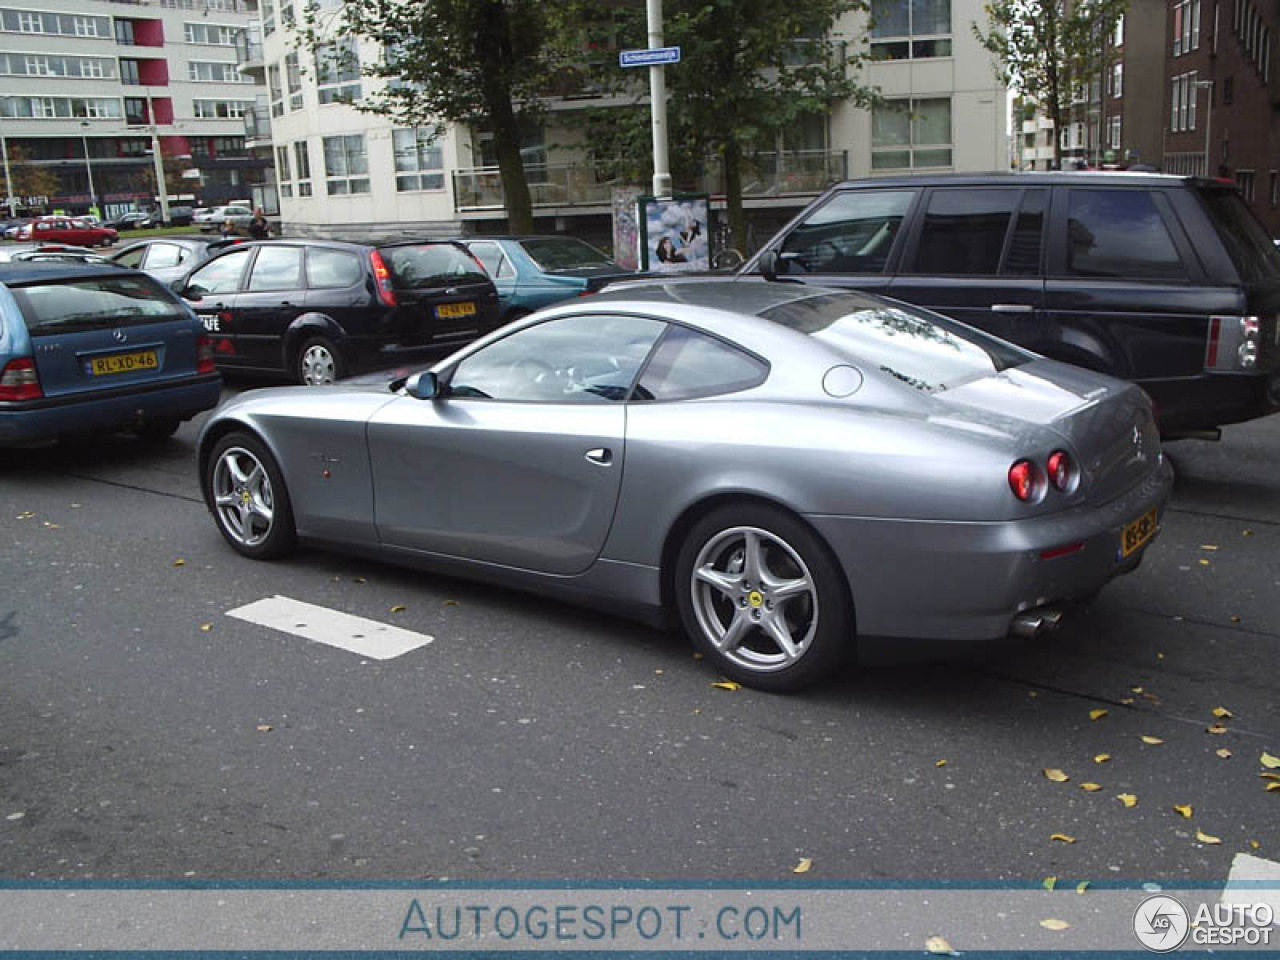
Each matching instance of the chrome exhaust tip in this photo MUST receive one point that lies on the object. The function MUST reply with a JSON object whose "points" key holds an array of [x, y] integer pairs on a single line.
{"points": [[1035, 623]]}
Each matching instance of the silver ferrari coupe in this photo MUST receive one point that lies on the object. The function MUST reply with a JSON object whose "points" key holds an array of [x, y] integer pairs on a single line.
{"points": [[783, 467]]}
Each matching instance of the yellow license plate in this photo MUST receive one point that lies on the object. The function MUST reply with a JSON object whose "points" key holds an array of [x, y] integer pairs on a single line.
{"points": [[452, 310], [1135, 534], [124, 363]]}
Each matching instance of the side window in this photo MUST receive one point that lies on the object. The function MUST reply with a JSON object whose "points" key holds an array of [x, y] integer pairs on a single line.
{"points": [[852, 233], [277, 268], [332, 268], [688, 364], [491, 255], [1023, 256], [130, 258], [580, 359], [1119, 233], [963, 232], [164, 255], [221, 275]]}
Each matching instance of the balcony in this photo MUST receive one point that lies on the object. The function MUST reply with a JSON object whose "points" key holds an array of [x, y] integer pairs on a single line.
{"points": [[794, 173], [257, 126], [249, 55]]}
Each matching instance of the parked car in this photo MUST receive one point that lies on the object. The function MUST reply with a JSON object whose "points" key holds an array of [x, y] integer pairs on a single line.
{"points": [[170, 258], [10, 228], [532, 272], [1167, 281], [67, 230], [215, 217], [318, 310], [845, 450], [48, 252], [134, 220], [91, 348], [180, 216]]}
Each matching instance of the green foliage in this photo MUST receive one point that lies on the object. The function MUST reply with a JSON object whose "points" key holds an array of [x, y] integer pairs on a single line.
{"points": [[29, 179]]}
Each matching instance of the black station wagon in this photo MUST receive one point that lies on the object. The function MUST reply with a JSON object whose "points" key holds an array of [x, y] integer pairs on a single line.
{"points": [[1168, 281], [319, 309]]}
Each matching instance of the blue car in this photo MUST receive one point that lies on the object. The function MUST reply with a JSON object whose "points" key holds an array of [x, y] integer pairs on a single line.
{"points": [[93, 349], [532, 272]]}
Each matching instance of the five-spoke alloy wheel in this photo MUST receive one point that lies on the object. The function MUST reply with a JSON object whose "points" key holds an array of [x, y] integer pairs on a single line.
{"points": [[248, 498], [763, 597]]}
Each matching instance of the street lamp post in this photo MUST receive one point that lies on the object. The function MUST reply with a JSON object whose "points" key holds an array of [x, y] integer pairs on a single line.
{"points": [[88, 165], [1208, 119], [8, 180], [162, 188]]}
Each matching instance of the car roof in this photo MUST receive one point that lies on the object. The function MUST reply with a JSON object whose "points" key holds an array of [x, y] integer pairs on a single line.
{"points": [[27, 271], [1022, 177], [748, 295]]}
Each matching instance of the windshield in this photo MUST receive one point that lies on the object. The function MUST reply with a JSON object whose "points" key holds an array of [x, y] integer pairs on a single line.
{"points": [[1244, 236], [66, 306], [924, 350], [564, 253], [416, 266]]}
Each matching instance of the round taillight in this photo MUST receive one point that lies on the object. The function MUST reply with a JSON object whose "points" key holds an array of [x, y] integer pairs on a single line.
{"points": [[1061, 470], [1025, 481]]}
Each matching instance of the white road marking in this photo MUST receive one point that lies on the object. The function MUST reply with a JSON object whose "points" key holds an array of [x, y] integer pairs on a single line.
{"points": [[1253, 880], [368, 638]]}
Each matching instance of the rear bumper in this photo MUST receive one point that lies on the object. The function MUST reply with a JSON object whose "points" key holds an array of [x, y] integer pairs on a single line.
{"points": [[967, 581], [50, 417], [1213, 399]]}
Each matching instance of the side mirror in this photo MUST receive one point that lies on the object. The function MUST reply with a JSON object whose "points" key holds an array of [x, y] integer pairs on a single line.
{"points": [[769, 265], [423, 385], [185, 292]]}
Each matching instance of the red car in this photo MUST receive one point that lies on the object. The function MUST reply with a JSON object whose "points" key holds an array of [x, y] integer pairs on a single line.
{"points": [[67, 230]]}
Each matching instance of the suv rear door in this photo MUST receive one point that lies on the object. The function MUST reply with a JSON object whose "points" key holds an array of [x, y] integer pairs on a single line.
{"points": [[974, 254]]}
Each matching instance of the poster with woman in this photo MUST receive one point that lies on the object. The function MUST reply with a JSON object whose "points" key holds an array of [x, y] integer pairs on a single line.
{"points": [[675, 233]]}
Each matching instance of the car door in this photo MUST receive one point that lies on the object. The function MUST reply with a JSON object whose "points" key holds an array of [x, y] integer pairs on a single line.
{"points": [[273, 296], [500, 271], [974, 254], [519, 461], [212, 290], [852, 240]]}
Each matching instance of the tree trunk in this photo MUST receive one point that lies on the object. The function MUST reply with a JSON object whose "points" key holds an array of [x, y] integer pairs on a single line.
{"points": [[733, 195], [495, 29]]}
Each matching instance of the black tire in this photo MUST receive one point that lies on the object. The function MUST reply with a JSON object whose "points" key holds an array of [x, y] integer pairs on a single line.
{"points": [[801, 595], [237, 496], [318, 362], [157, 431]]}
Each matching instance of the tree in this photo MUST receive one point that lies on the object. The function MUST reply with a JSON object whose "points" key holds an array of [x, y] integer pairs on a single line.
{"points": [[29, 179], [478, 62], [175, 183], [1045, 49]]}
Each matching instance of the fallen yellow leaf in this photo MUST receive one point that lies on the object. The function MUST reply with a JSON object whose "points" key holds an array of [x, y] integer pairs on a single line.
{"points": [[1184, 808], [264, 728], [1254, 844], [1102, 758], [1266, 775], [1234, 618], [1097, 714], [804, 866], [939, 946], [1268, 761], [697, 656], [1064, 838], [449, 603], [1273, 786], [1215, 728], [1208, 546], [1127, 701], [1057, 776], [1082, 886], [1224, 753], [179, 562], [727, 685], [206, 627], [940, 763], [398, 608], [1049, 883], [1204, 562], [1128, 799], [1222, 713], [361, 580], [1206, 838], [1154, 741], [1091, 787], [1053, 923], [1247, 533], [1137, 690]]}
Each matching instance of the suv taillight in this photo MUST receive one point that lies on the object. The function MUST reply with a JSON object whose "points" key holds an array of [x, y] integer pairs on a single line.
{"points": [[1233, 343], [382, 280], [19, 381], [204, 354]]}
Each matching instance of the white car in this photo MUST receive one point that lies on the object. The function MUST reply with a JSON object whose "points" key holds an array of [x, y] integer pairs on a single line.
{"points": [[215, 217]]}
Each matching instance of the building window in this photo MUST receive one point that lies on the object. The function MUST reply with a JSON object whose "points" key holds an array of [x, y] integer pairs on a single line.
{"points": [[911, 134], [124, 32], [220, 109], [268, 17], [211, 34], [135, 111], [910, 29], [1244, 180], [1117, 79], [205, 72], [282, 172], [277, 94], [293, 74], [1115, 134], [303, 166], [1118, 39], [419, 160], [30, 22], [346, 166], [52, 108], [93, 68], [1192, 97], [129, 72], [338, 72], [1273, 190], [1195, 24]]}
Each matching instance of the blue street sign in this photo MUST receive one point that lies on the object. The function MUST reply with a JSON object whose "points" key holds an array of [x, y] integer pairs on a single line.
{"points": [[649, 58]]}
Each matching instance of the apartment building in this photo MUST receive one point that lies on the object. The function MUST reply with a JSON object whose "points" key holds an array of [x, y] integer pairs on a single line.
{"points": [[88, 88], [341, 171]]}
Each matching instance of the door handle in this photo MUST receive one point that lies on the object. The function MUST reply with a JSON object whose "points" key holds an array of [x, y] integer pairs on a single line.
{"points": [[1011, 308], [600, 456]]}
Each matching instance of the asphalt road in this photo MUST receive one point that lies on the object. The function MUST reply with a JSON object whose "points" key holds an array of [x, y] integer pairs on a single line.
{"points": [[146, 734]]}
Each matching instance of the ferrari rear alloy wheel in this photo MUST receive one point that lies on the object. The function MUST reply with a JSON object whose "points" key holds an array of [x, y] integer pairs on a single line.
{"points": [[248, 498], [318, 362], [763, 598]]}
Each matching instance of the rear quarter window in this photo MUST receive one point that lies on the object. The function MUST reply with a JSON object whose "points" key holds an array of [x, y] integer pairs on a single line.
{"points": [[1121, 234], [332, 268], [688, 364], [1248, 245]]}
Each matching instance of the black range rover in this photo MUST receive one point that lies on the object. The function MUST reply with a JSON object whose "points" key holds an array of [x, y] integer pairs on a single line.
{"points": [[1168, 281], [319, 309]]}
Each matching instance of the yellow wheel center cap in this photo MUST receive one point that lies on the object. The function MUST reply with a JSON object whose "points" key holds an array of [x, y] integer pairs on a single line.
{"points": [[755, 598], [245, 497]]}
